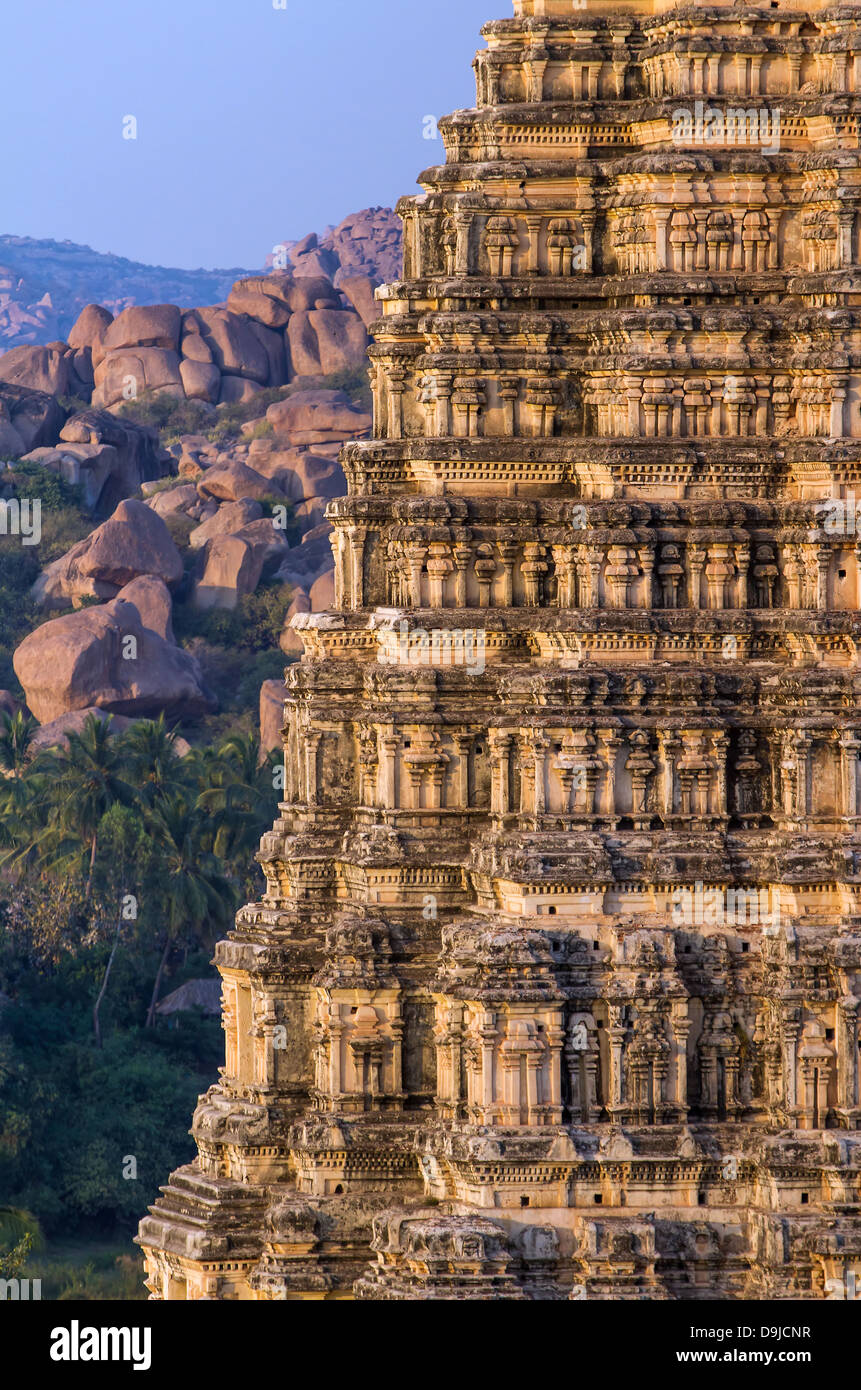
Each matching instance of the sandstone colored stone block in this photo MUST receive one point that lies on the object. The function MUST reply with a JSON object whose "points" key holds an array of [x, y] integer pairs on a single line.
{"points": [[235, 481], [261, 307], [126, 374], [236, 350], [359, 289], [201, 381], [151, 597], [195, 348], [77, 662], [37, 368], [151, 325], [90, 327], [342, 341], [271, 715], [237, 390], [133, 542], [227, 520]]}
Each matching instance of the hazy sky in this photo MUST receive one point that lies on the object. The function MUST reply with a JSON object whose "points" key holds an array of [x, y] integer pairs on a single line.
{"points": [[253, 123]]}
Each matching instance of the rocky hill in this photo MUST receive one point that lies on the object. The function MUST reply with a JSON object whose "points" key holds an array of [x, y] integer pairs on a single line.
{"points": [[44, 285], [201, 447]]}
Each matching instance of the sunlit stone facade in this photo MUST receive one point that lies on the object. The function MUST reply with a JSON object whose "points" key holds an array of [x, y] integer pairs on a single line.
{"points": [[554, 989]]}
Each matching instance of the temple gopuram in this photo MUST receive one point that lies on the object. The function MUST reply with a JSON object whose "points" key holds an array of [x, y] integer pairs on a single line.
{"points": [[554, 989]]}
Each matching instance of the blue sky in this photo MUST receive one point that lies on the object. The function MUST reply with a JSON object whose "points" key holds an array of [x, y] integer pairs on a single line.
{"points": [[254, 124]]}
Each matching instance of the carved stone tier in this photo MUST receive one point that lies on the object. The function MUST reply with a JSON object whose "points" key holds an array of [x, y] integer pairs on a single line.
{"points": [[554, 989]]}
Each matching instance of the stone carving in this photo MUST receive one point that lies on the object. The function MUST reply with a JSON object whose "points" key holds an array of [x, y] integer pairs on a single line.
{"points": [[561, 904]]}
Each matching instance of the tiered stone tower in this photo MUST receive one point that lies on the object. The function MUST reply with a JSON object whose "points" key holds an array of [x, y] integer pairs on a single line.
{"points": [[554, 990]]}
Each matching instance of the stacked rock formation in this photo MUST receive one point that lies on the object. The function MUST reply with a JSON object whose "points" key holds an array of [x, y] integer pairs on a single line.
{"points": [[554, 989]]}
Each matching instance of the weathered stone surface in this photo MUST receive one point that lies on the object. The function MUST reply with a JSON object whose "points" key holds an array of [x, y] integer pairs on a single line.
{"points": [[126, 373], [312, 417], [114, 458], [83, 660], [201, 381], [261, 307], [90, 327], [235, 481], [230, 518], [326, 341], [312, 292], [271, 714], [133, 542], [37, 368], [28, 420], [273, 345], [151, 325], [236, 350], [174, 499], [323, 592], [194, 348], [553, 992], [235, 563], [359, 289], [236, 390], [151, 597]]}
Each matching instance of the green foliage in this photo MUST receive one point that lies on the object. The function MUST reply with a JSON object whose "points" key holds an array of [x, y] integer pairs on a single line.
{"points": [[353, 381], [172, 418], [32, 480], [231, 418], [63, 523], [87, 1077]]}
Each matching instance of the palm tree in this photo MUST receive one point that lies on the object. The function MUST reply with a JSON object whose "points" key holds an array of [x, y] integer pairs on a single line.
{"points": [[152, 763], [87, 782], [16, 735], [197, 894], [241, 800]]}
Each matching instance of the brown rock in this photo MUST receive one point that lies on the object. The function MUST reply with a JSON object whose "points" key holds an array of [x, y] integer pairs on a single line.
{"points": [[290, 642], [230, 518], [323, 592], [341, 338], [308, 292], [236, 350], [316, 417], [151, 325], [236, 390], [135, 541], [302, 345], [37, 368], [232, 569], [124, 374], [173, 499], [201, 380], [90, 327], [273, 345], [151, 597], [195, 348], [87, 659], [359, 289], [271, 715], [260, 307], [235, 481]]}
